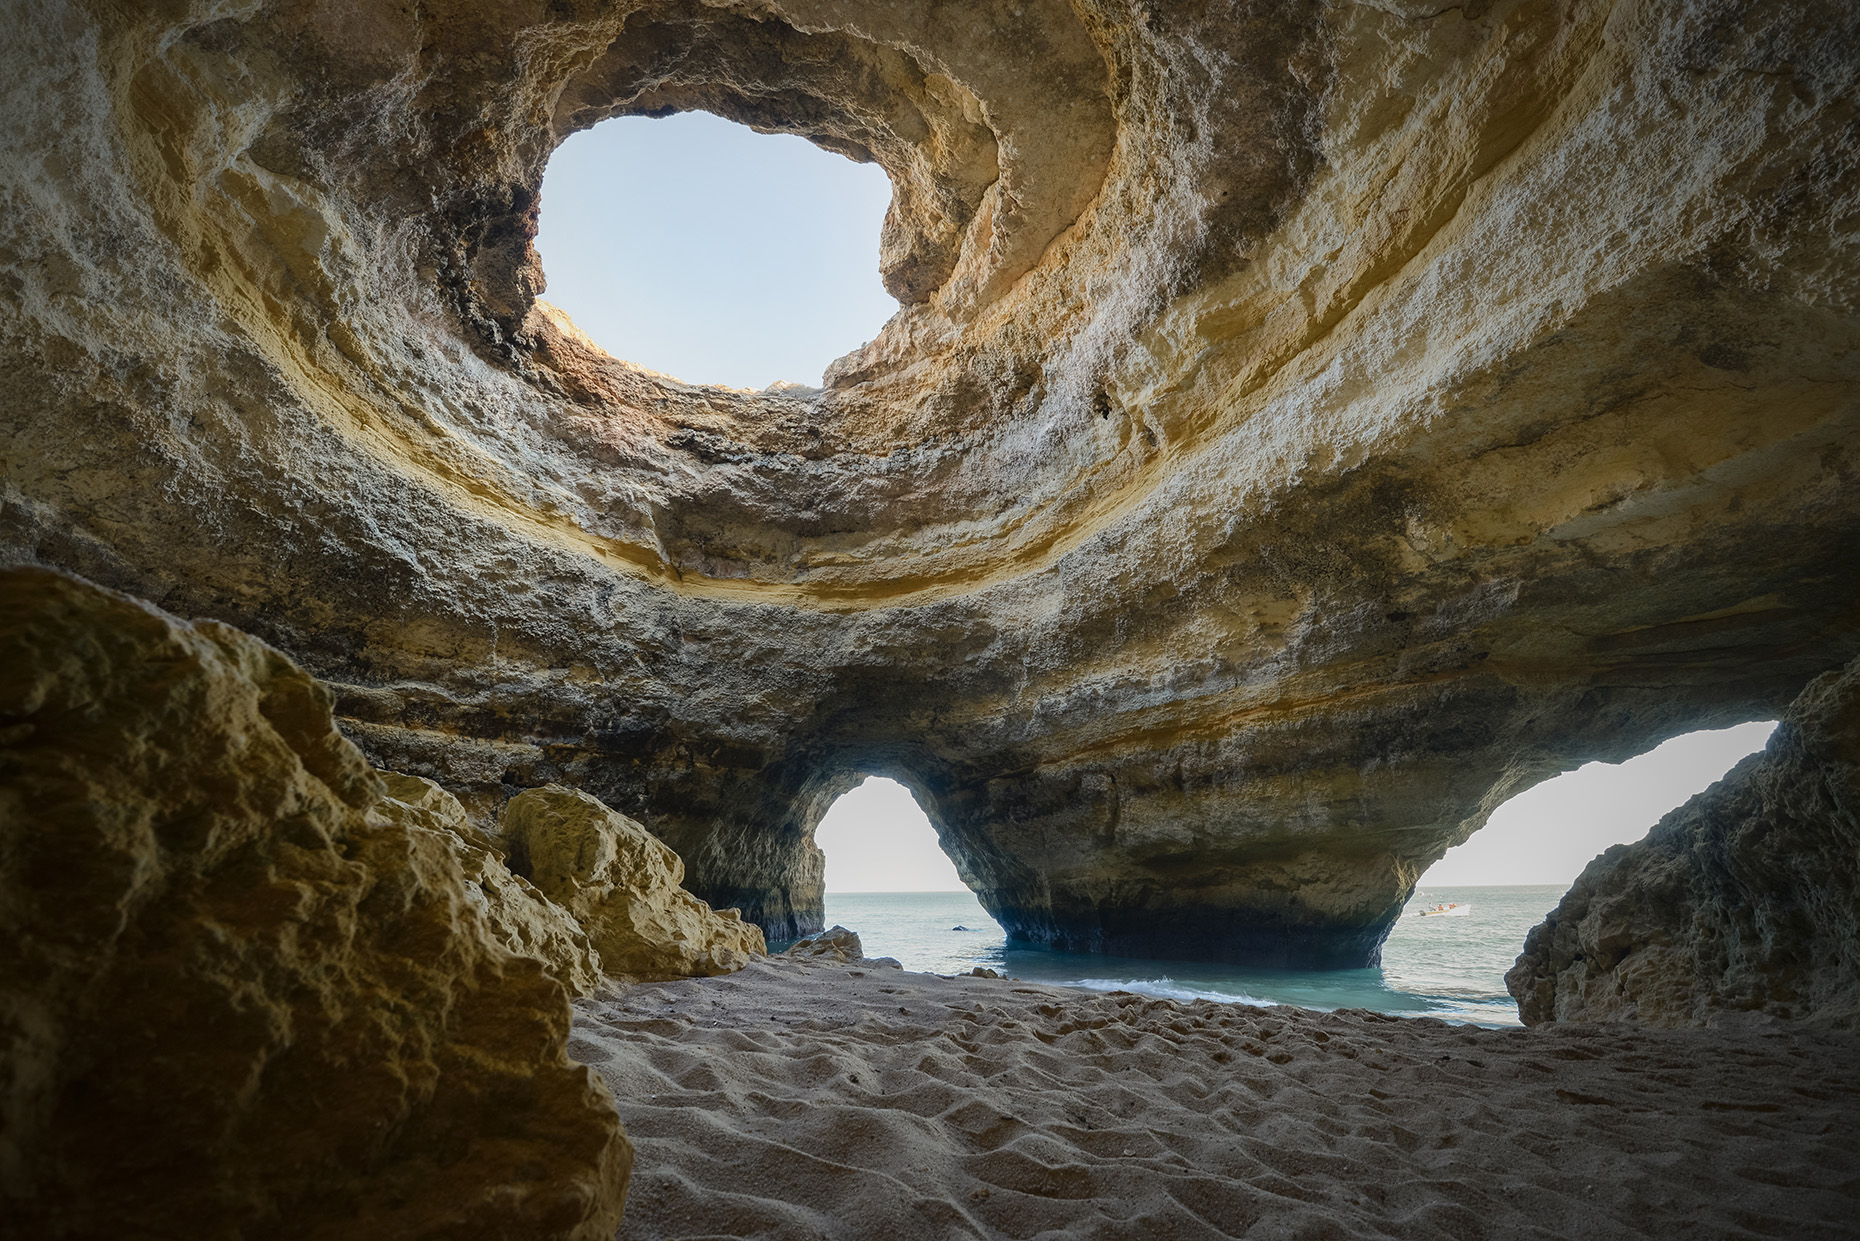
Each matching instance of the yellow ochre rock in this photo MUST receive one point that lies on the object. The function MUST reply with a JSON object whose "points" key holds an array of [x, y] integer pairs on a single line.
{"points": [[621, 883], [242, 992], [836, 943], [528, 922]]}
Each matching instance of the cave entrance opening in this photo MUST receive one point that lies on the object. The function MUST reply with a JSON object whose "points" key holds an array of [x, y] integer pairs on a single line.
{"points": [[889, 879], [1512, 872], [1470, 914], [699, 248], [878, 839], [1548, 833]]}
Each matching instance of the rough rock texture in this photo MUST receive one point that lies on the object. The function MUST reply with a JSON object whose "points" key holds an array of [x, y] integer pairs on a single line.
{"points": [[1310, 423], [620, 883], [238, 998], [1744, 900], [836, 943], [840, 944], [528, 923]]}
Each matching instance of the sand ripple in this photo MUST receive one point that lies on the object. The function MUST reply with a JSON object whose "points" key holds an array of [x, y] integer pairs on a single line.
{"points": [[817, 1101]]}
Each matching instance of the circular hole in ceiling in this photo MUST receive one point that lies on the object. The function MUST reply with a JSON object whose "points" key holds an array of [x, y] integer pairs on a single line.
{"points": [[699, 248]]}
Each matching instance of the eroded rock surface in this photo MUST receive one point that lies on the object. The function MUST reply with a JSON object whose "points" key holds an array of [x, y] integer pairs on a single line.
{"points": [[836, 943], [1744, 900], [1310, 423], [529, 923], [840, 945], [621, 884], [243, 994]]}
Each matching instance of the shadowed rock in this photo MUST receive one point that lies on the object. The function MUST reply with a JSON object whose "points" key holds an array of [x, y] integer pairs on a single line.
{"points": [[1744, 900], [242, 992]]}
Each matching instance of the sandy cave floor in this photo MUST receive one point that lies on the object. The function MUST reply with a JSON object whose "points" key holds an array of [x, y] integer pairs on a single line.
{"points": [[804, 1100]]}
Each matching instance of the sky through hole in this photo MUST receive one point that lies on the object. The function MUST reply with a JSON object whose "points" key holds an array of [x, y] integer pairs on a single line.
{"points": [[699, 248], [1549, 832]]}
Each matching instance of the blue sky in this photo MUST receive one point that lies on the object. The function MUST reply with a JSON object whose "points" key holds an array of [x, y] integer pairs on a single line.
{"points": [[700, 248]]}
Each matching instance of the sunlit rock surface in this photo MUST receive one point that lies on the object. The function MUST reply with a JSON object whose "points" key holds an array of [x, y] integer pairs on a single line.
{"points": [[1744, 900], [529, 923], [622, 886], [241, 994], [1308, 423]]}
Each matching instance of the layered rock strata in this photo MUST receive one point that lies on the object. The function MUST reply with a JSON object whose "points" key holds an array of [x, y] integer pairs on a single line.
{"points": [[621, 885], [1307, 425], [242, 992], [1746, 900]]}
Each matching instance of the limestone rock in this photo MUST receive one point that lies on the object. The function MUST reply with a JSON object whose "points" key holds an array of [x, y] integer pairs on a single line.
{"points": [[1311, 422], [836, 943], [622, 885], [1744, 900], [241, 993], [424, 803], [527, 922]]}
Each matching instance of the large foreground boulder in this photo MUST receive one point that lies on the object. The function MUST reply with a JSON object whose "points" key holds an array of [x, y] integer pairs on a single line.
{"points": [[621, 884], [1744, 900], [241, 995]]}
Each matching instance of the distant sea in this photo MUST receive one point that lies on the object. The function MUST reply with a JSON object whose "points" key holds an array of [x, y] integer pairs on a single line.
{"points": [[1450, 968]]}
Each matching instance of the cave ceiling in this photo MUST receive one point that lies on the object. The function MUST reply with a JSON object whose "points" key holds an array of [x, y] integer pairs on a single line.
{"points": [[1305, 424]]}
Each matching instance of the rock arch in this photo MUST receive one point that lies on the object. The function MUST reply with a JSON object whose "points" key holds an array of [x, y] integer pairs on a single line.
{"points": [[1311, 423]]}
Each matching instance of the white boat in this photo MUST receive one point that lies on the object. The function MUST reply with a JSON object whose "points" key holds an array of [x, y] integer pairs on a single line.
{"points": [[1450, 909]]}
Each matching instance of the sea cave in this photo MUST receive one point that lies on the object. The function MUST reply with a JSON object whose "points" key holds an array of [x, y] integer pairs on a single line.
{"points": [[1304, 427]]}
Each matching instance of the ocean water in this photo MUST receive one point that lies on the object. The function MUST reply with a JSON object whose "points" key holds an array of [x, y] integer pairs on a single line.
{"points": [[1450, 968]]}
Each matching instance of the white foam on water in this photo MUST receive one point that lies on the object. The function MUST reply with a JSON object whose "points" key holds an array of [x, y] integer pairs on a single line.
{"points": [[1448, 968], [1166, 988]]}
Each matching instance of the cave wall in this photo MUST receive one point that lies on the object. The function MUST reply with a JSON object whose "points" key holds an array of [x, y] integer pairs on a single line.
{"points": [[1305, 426]]}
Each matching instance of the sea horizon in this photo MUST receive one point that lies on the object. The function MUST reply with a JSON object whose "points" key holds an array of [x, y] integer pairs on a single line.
{"points": [[1449, 968]]}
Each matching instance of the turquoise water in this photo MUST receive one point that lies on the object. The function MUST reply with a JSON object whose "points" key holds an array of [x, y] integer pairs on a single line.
{"points": [[1450, 968]]}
